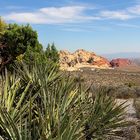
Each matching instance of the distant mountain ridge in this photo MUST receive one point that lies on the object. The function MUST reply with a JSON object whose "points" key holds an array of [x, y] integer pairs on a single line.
{"points": [[129, 55]]}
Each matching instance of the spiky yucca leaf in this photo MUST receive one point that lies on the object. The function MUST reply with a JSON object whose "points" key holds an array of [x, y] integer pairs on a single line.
{"points": [[15, 100], [41, 103], [104, 116]]}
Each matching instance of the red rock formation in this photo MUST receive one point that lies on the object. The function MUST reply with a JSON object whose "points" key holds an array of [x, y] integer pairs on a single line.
{"points": [[120, 62], [102, 62], [82, 58]]}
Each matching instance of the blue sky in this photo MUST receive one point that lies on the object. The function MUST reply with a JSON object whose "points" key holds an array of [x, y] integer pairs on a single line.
{"points": [[102, 26]]}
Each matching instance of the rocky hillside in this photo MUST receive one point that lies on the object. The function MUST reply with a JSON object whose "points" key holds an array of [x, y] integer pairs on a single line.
{"points": [[120, 62], [82, 58]]}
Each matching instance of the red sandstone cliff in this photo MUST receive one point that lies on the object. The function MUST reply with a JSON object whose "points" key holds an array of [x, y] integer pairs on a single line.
{"points": [[120, 62]]}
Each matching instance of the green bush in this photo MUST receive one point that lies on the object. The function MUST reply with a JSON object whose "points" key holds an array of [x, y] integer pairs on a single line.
{"points": [[14, 41], [20, 43]]}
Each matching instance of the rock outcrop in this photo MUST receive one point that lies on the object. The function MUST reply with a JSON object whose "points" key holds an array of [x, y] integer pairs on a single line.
{"points": [[81, 58], [120, 62]]}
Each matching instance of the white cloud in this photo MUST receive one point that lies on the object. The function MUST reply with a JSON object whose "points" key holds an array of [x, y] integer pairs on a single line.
{"points": [[25, 17], [52, 15], [134, 10], [128, 13], [121, 15], [72, 14], [63, 12]]}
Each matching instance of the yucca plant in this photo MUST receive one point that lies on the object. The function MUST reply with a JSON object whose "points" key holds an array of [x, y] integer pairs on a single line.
{"points": [[104, 116], [16, 101], [42, 103]]}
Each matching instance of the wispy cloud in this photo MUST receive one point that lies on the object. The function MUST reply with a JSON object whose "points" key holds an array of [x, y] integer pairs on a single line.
{"points": [[72, 14], [128, 13], [121, 15], [63, 12], [134, 10], [52, 15]]}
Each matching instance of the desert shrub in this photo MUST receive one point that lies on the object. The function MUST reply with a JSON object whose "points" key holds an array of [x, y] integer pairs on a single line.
{"points": [[40, 103], [113, 91], [137, 89], [130, 84], [125, 92], [122, 92], [137, 106]]}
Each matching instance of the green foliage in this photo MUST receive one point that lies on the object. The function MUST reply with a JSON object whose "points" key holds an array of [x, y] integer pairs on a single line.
{"points": [[37, 56], [20, 43], [15, 41], [17, 38], [52, 53], [33, 54], [41, 103], [104, 116], [3, 26]]}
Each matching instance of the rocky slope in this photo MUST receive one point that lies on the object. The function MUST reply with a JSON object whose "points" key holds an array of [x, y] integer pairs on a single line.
{"points": [[82, 58], [120, 62]]}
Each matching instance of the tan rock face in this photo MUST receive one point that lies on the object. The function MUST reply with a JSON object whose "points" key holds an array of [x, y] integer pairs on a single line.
{"points": [[102, 62], [120, 62], [82, 58]]}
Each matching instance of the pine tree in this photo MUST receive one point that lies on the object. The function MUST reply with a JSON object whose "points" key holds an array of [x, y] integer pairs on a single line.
{"points": [[52, 53]]}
